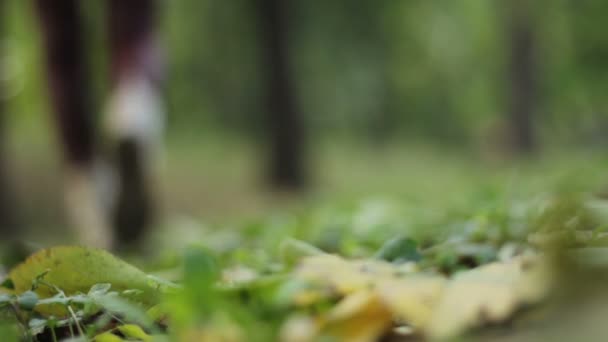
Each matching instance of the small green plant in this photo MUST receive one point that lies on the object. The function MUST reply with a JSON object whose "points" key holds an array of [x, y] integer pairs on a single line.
{"points": [[380, 279]]}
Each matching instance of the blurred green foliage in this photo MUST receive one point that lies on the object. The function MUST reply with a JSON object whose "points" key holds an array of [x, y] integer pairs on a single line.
{"points": [[365, 69]]}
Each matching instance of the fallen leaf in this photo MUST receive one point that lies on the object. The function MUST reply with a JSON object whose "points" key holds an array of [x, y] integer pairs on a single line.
{"points": [[77, 269], [488, 294], [133, 331], [412, 299], [359, 317]]}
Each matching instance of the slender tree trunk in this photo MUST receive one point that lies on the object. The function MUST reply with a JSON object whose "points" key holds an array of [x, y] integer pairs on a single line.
{"points": [[8, 222], [522, 75], [382, 126], [286, 131]]}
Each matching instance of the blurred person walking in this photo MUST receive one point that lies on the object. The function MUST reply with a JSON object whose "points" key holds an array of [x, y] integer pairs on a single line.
{"points": [[109, 206]]}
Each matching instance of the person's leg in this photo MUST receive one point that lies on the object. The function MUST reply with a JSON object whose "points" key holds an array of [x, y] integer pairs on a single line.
{"points": [[63, 37], [136, 117]]}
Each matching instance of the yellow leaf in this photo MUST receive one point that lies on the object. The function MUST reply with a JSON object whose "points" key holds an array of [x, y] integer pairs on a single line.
{"points": [[488, 294], [412, 299], [134, 331], [76, 269], [299, 329], [107, 337], [360, 317], [342, 275]]}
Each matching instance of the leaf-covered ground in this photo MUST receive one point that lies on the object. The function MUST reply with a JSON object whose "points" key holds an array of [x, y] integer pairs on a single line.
{"points": [[375, 270], [452, 251]]}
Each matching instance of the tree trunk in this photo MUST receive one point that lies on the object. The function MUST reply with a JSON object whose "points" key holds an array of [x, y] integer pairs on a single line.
{"points": [[522, 75], [8, 223], [285, 126]]}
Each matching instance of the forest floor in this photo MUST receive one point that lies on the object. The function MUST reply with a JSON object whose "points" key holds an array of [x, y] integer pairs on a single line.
{"points": [[392, 244]]}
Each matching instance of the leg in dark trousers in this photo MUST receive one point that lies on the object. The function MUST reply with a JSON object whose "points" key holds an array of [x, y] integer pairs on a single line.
{"points": [[63, 36], [135, 111], [68, 80]]}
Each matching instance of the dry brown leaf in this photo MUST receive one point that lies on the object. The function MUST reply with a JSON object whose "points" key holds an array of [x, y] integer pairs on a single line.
{"points": [[299, 328], [488, 294], [412, 299], [346, 276], [360, 317]]}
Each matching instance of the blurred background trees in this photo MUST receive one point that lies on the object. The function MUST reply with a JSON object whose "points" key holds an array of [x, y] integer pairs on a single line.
{"points": [[433, 70], [376, 70], [522, 73], [284, 119], [7, 216], [288, 79]]}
